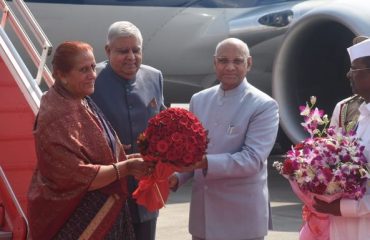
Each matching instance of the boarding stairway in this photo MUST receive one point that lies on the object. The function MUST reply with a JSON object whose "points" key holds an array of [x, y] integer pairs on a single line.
{"points": [[20, 96]]}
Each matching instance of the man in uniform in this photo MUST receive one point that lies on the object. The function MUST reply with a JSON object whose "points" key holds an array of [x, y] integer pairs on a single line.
{"points": [[345, 114], [350, 218]]}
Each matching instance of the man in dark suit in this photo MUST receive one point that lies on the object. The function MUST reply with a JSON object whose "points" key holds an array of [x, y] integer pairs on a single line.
{"points": [[129, 93]]}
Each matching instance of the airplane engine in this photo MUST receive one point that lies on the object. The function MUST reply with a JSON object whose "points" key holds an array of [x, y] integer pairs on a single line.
{"points": [[313, 61]]}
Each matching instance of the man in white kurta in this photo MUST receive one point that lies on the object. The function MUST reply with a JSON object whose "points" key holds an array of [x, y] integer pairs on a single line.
{"points": [[350, 219], [229, 190]]}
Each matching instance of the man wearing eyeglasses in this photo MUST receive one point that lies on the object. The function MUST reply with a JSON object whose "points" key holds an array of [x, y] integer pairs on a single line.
{"points": [[350, 218], [345, 114], [230, 194]]}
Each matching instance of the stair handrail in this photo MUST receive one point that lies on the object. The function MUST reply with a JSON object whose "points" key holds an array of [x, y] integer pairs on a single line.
{"points": [[20, 72], [39, 61]]}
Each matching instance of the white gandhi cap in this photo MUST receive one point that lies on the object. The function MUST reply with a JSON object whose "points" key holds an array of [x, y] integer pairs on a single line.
{"points": [[359, 50]]}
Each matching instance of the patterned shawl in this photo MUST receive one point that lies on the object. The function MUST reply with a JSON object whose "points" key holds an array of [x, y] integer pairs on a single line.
{"points": [[71, 144]]}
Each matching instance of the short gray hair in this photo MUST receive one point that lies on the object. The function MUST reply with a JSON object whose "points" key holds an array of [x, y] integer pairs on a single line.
{"points": [[235, 41], [123, 29]]}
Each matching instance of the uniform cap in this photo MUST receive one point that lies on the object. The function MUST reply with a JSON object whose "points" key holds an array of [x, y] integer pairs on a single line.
{"points": [[359, 50]]}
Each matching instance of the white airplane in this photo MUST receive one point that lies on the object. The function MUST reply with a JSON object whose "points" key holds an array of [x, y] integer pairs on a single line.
{"points": [[299, 47], [299, 50]]}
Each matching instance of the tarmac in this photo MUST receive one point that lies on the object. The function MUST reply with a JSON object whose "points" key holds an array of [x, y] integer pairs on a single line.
{"points": [[286, 211]]}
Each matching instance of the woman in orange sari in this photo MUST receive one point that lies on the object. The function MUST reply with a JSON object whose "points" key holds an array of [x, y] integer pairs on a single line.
{"points": [[78, 190]]}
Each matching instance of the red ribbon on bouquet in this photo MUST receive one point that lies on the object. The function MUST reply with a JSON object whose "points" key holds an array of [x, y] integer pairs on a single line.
{"points": [[153, 190]]}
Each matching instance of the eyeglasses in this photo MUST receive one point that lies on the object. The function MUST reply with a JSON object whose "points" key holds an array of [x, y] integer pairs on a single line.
{"points": [[236, 61], [124, 51], [358, 69]]}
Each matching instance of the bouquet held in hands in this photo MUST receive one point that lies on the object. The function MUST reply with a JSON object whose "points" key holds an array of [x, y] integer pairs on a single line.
{"points": [[174, 139], [329, 164]]}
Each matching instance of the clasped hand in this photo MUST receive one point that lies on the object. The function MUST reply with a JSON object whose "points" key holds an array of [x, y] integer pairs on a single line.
{"points": [[173, 179], [332, 208], [137, 167]]}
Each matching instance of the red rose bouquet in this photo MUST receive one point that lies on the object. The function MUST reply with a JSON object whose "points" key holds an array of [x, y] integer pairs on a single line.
{"points": [[329, 164], [174, 138]]}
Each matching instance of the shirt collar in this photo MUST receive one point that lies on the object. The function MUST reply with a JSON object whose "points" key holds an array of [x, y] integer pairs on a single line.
{"points": [[233, 92], [121, 79], [364, 109]]}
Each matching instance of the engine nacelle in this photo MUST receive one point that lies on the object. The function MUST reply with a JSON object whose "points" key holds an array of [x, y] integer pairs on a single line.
{"points": [[313, 60]]}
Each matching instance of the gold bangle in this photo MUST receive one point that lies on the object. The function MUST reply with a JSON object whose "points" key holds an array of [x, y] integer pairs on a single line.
{"points": [[118, 174]]}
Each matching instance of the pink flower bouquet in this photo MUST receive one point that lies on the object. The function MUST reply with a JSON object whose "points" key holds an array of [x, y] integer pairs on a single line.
{"points": [[329, 164]]}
